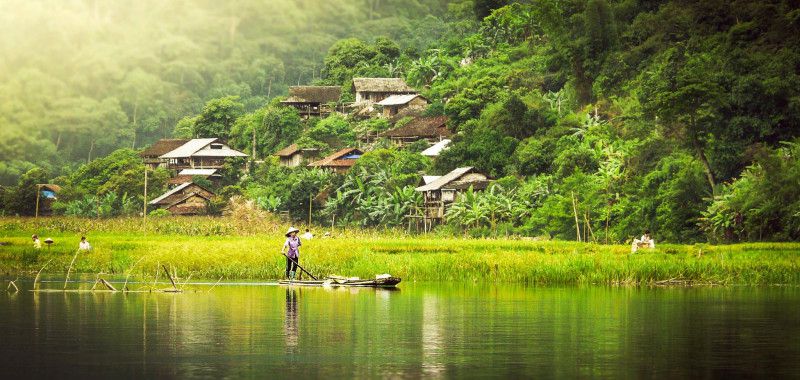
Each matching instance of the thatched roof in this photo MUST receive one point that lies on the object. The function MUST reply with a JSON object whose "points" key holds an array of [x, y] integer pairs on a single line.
{"points": [[163, 146], [338, 159], [313, 94], [423, 127], [381, 85], [288, 151]]}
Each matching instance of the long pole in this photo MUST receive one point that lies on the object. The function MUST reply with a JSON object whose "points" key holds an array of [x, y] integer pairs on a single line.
{"points": [[298, 265], [144, 207], [575, 211], [38, 194], [309, 209]]}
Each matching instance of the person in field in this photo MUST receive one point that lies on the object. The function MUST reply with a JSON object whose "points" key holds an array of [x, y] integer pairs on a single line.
{"points": [[37, 244], [84, 244], [292, 252], [646, 241]]}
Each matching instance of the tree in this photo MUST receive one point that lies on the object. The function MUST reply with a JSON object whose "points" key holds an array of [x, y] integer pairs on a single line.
{"points": [[21, 199], [217, 118]]}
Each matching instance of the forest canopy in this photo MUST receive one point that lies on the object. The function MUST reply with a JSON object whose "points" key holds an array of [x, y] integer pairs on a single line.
{"points": [[677, 116]]}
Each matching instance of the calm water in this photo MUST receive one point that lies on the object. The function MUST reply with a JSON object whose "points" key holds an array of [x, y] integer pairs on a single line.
{"points": [[421, 330]]}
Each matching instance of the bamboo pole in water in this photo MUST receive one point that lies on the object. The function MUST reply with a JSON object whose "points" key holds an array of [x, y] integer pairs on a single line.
{"points": [[125, 287], [70, 268], [36, 279], [170, 277]]}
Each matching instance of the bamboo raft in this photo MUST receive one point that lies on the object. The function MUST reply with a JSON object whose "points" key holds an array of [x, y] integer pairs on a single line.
{"points": [[337, 281]]}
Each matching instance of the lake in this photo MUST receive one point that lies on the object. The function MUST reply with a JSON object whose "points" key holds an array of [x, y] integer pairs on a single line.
{"points": [[420, 330]]}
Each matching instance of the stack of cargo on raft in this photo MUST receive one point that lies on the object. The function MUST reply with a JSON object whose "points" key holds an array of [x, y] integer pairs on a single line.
{"points": [[380, 281]]}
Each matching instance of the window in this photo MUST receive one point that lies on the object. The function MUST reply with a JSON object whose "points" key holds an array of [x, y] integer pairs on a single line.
{"points": [[216, 146]]}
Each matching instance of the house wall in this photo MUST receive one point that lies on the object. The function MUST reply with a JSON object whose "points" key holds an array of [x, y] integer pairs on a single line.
{"points": [[292, 161], [195, 205]]}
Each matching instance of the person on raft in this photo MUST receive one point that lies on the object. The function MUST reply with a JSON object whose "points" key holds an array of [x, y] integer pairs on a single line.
{"points": [[292, 249]]}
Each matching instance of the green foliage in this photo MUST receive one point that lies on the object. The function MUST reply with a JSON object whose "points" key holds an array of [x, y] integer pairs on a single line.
{"points": [[21, 199], [273, 127]]}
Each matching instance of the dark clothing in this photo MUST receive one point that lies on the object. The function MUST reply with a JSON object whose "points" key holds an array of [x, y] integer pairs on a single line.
{"points": [[291, 266]]}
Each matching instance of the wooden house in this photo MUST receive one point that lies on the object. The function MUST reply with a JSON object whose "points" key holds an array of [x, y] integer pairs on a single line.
{"points": [[209, 153], [373, 90], [313, 100], [394, 104], [293, 155], [151, 156], [187, 175], [432, 129], [442, 191], [186, 199], [340, 162]]}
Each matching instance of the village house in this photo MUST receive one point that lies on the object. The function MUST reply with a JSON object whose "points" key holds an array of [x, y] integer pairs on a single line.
{"points": [[293, 155], [340, 162], [151, 156], [440, 192], [373, 90], [209, 153], [432, 129], [186, 199], [313, 100], [187, 175], [394, 104]]}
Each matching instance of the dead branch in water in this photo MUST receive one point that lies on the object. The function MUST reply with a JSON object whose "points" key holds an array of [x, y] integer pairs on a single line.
{"points": [[36, 279], [70, 268], [170, 277], [125, 287], [107, 285], [215, 284]]}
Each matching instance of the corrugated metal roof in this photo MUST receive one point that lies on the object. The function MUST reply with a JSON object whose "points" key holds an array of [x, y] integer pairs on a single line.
{"points": [[430, 178], [445, 179], [396, 100], [189, 148], [224, 152], [436, 149], [206, 172], [168, 193]]}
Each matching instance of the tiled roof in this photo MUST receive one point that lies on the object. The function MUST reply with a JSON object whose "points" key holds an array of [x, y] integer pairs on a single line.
{"points": [[335, 160]]}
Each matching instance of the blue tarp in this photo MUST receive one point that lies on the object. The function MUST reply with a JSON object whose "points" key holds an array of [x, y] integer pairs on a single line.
{"points": [[48, 194], [352, 156]]}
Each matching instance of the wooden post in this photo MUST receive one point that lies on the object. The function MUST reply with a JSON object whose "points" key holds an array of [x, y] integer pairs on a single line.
{"points": [[38, 194], [144, 207], [310, 197], [575, 211]]}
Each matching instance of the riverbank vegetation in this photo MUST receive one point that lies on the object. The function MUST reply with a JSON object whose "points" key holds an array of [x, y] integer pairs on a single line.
{"points": [[675, 116], [204, 248]]}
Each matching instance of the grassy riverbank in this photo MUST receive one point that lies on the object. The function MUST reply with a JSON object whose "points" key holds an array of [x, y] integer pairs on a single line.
{"points": [[123, 246]]}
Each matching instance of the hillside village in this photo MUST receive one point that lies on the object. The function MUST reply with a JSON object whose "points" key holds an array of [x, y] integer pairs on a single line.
{"points": [[193, 162]]}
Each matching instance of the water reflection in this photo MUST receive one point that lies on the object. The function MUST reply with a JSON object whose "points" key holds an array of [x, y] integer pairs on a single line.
{"points": [[425, 330], [290, 325]]}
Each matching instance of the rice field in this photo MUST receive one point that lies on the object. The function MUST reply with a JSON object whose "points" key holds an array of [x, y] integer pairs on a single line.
{"points": [[212, 248]]}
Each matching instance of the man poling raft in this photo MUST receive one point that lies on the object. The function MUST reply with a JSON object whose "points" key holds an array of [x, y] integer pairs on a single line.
{"points": [[291, 250]]}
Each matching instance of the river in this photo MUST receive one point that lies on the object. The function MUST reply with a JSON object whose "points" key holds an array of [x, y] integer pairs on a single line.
{"points": [[420, 330]]}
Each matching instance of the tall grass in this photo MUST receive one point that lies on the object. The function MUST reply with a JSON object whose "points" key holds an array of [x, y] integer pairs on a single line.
{"points": [[192, 249]]}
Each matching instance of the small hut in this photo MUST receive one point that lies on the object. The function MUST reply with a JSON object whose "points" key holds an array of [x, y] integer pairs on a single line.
{"points": [[186, 199], [442, 191], [340, 162], [293, 155], [313, 100], [47, 195]]}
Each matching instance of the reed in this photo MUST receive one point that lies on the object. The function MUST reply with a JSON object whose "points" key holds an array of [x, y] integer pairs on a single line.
{"points": [[365, 253]]}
